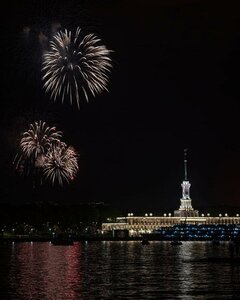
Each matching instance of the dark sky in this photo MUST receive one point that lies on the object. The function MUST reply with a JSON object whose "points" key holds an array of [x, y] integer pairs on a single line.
{"points": [[174, 85]]}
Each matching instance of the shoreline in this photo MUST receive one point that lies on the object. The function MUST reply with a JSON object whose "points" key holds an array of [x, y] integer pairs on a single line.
{"points": [[103, 239]]}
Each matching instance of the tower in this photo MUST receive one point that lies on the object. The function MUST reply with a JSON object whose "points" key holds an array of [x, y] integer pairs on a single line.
{"points": [[185, 209]]}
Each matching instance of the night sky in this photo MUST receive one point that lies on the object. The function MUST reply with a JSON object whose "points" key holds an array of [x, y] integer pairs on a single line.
{"points": [[174, 85]]}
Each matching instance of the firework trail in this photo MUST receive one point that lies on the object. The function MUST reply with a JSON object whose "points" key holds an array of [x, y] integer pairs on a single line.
{"points": [[24, 165], [61, 164], [75, 65]]}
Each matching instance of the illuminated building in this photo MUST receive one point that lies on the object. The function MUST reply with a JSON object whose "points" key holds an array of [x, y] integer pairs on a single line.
{"points": [[137, 225], [185, 208]]}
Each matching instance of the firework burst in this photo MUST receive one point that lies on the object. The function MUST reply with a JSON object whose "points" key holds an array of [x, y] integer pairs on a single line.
{"points": [[38, 139], [75, 65], [61, 164], [43, 154]]}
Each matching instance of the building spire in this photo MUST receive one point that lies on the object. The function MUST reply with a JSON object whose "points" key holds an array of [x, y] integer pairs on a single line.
{"points": [[185, 208], [185, 164]]}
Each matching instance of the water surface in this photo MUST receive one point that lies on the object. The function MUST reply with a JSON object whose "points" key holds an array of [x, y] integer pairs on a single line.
{"points": [[117, 270]]}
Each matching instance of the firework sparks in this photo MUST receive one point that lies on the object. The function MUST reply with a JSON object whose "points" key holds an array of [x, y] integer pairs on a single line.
{"points": [[37, 140], [75, 65], [24, 165], [61, 164], [43, 154]]}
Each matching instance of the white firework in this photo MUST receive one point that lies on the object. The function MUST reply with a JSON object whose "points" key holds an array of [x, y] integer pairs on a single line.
{"points": [[61, 164], [38, 139], [75, 65]]}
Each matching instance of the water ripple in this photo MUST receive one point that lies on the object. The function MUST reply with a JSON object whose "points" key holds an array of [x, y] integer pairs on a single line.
{"points": [[117, 270]]}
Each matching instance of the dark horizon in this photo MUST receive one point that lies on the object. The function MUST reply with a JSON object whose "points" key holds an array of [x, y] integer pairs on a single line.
{"points": [[174, 85]]}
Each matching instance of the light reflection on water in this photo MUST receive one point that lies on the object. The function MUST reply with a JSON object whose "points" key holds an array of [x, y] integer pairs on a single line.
{"points": [[117, 270]]}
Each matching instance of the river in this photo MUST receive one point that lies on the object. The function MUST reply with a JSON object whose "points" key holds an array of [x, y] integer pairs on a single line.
{"points": [[117, 270]]}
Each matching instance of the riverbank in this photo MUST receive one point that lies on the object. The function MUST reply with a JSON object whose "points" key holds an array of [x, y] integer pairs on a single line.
{"points": [[96, 238], [76, 239]]}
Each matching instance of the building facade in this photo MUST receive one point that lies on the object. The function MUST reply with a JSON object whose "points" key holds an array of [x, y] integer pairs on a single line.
{"points": [[137, 225]]}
